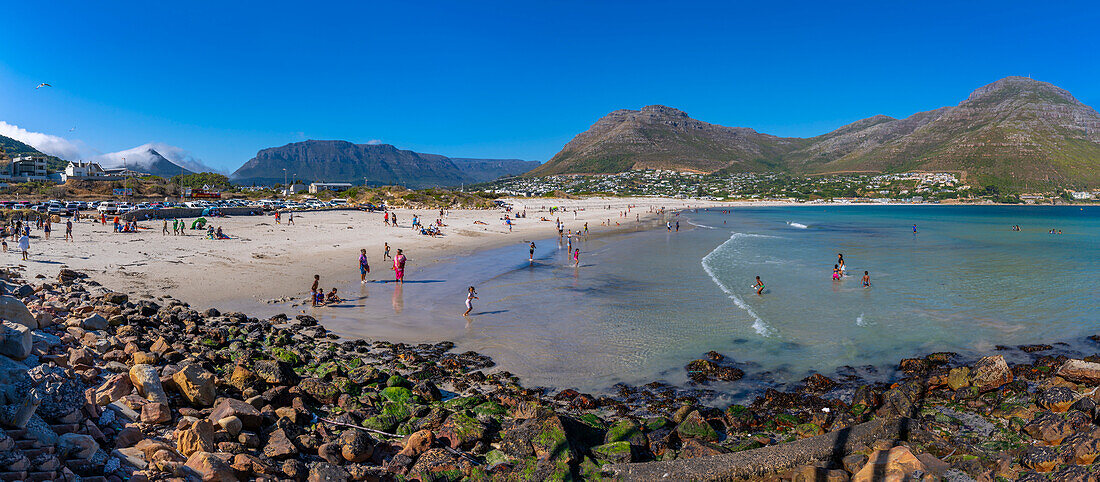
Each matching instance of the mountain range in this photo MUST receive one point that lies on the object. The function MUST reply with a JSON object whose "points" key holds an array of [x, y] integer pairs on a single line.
{"points": [[1013, 132], [372, 164]]}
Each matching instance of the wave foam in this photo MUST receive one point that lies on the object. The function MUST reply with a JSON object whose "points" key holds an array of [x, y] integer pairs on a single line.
{"points": [[758, 324], [796, 225]]}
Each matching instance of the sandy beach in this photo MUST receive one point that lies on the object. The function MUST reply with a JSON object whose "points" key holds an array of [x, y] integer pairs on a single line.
{"points": [[265, 260]]}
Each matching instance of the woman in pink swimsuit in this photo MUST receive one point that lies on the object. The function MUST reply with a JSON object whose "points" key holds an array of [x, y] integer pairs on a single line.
{"points": [[399, 267]]}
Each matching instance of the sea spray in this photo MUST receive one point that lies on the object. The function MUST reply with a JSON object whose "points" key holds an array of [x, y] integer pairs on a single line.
{"points": [[758, 324], [796, 225]]}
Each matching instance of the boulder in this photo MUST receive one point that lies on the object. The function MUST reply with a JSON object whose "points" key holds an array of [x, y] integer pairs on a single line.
{"points": [[116, 298], [95, 322], [77, 446], [15, 340], [326, 472], [990, 373], [1080, 371], [614, 452], [897, 464], [199, 437], [1057, 399], [462, 431], [211, 467], [694, 426], [231, 424], [195, 384], [13, 310], [274, 372], [147, 382], [418, 443], [231, 407], [356, 445], [958, 378], [1052, 428], [279, 445], [156, 413]]}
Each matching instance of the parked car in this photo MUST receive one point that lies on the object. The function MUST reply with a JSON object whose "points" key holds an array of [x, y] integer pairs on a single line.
{"points": [[108, 208]]}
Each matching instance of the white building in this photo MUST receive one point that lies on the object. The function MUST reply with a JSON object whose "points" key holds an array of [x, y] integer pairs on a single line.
{"points": [[317, 187], [30, 168]]}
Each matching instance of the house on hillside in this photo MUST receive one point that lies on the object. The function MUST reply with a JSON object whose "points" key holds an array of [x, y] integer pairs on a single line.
{"points": [[317, 187], [27, 168], [93, 171]]}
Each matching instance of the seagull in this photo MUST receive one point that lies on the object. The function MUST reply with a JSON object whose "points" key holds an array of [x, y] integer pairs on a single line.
{"points": [[43, 85], [72, 129]]}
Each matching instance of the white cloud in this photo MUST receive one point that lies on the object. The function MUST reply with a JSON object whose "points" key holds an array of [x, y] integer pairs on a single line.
{"points": [[141, 156], [48, 144], [374, 142]]}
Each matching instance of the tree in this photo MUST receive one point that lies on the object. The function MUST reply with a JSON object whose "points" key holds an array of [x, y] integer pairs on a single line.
{"points": [[198, 180]]}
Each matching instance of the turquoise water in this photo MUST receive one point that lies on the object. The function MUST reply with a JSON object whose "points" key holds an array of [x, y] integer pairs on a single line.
{"points": [[643, 304]]}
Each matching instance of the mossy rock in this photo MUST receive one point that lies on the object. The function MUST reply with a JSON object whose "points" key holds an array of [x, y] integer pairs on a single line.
{"points": [[786, 420], [385, 423], [397, 395], [406, 428], [858, 409], [398, 381], [496, 456], [808, 430], [694, 426], [399, 411], [590, 470], [593, 421], [285, 355], [746, 445], [735, 410], [491, 410], [628, 431], [658, 423], [325, 369], [614, 452]]}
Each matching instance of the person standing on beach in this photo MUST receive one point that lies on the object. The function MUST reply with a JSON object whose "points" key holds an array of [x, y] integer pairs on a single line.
{"points": [[316, 283], [24, 245], [69, 230], [532, 251], [577, 257], [866, 279], [387, 254], [399, 267], [364, 267], [759, 286], [278, 217], [840, 262], [164, 231], [471, 295], [290, 218], [46, 228]]}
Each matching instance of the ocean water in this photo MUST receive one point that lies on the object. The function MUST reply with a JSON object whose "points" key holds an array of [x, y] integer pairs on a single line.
{"points": [[643, 304]]}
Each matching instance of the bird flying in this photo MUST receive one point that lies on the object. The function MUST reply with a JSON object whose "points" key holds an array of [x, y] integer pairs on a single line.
{"points": [[43, 85]]}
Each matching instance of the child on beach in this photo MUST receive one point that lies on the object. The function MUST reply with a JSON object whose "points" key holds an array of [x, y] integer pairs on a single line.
{"points": [[319, 297], [759, 286], [836, 272], [24, 245], [471, 295], [532, 251], [577, 257], [332, 297], [399, 267], [866, 279], [316, 282]]}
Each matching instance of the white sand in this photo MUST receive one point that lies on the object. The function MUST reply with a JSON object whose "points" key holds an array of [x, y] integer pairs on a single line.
{"points": [[265, 260]]}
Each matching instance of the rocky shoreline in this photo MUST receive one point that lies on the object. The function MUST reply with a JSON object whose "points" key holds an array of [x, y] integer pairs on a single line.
{"points": [[98, 386]]}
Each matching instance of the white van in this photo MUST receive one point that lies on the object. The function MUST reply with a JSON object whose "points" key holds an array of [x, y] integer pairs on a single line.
{"points": [[108, 208], [338, 202]]}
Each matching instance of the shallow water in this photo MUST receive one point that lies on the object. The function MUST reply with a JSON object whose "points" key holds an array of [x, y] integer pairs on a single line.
{"points": [[641, 305]]}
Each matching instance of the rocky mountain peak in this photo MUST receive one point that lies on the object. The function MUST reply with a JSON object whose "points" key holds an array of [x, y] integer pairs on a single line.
{"points": [[1015, 86], [664, 110]]}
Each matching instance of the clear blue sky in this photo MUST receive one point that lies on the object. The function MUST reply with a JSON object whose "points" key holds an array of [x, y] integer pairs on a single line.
{"points": [[509, 79]]}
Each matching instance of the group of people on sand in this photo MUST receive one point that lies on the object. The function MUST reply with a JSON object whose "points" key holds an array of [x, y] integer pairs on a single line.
{"points": [[317, 294], [289, 217]]}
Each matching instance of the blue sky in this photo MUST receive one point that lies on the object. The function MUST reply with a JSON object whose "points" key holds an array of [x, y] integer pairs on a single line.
{"points": [[222, 80]]}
